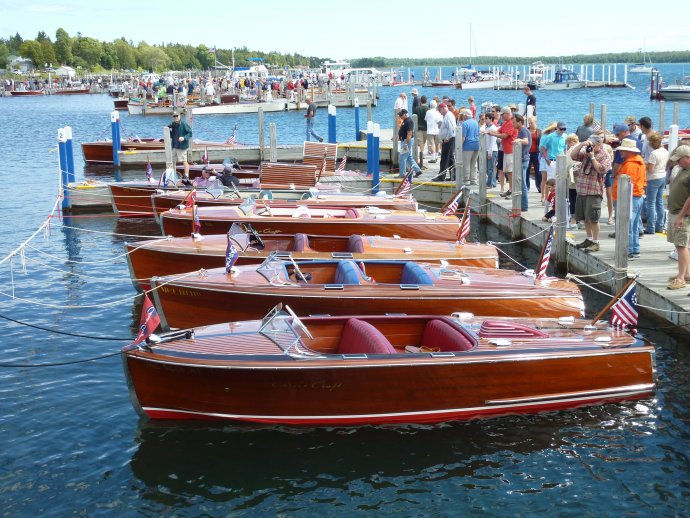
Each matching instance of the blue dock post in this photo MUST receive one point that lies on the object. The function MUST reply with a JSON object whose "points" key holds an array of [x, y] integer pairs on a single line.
{"points": [[64, 175], [69, 154], [375, 151], [115, 130], [357, 137], [331, 124], [370, 147]]}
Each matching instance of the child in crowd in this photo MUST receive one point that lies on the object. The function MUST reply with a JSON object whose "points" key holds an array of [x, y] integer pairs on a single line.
{"points": [[550, 200]]}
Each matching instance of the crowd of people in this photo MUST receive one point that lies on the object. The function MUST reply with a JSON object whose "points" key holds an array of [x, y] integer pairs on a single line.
{"points": [[595, 158]]}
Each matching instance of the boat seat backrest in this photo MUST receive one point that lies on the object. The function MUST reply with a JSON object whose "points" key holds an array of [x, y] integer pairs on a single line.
{"points": [[355, 245], [347, 273], [300, 243], [414, 274], [441, 335], [360, 337]]}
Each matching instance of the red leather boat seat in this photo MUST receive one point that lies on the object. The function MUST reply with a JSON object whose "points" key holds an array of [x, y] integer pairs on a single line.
{"points": [[355, 244], [414, 274], [360, 337], [442, 335], [347, 273], [300, 243]]}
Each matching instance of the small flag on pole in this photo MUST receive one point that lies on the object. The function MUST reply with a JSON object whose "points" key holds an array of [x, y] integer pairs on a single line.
{"points": [[204, 158], [231, 255], [341, 167], [545, 256], [149, 171], [452, 206], [164, 179], [464, 230], [596, 125], [624, 311], [149, 321], [323, 166], [405, 186]]}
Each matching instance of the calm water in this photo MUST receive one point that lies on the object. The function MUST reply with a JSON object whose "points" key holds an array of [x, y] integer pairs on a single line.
{"points": [[71, 444]]}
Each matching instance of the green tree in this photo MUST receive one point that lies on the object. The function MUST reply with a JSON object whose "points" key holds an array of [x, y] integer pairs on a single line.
{"points": [[32, 49], [4, 55], [88, 49], [14, 43], [152, 58], [126, 55], [48, 52], [63, 47], [42, 36]]}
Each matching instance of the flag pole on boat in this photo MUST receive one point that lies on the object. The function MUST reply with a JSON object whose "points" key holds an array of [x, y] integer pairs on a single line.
{"points": [[615, 299]]}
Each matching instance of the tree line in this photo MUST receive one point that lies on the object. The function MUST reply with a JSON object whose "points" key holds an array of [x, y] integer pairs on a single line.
{"points": [[122, 54]]}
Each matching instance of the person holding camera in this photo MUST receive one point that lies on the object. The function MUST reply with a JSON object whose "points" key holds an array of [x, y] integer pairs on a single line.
{"points": [[590, 187]]}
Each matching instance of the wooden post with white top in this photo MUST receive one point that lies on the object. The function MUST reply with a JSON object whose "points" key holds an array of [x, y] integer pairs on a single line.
{"points": [[395, 155], [559, 244], [623, 206], [662, 115], [482, 177], [458, 172], [516, 191], [273, 148]]}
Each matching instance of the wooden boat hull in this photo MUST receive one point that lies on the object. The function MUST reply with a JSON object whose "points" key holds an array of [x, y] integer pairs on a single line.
{"points": [[101, 152], [205, 377], [26, 93], [157, 258], [218, 220], [72, 91], [170, 200], [210, 297]]}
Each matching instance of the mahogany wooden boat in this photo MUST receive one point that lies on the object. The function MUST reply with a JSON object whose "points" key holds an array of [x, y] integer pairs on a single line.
{"points": [[363, 370], [342, 287], [101, 152], [134, 199], [171, 199], [176, 255], [25, 93], [73, 91], [309, 219]]}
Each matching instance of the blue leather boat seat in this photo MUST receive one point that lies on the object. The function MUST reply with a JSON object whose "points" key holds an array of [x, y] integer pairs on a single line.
{"points": [[414, 274], [360, 337], [347, 273], [441, 335]]}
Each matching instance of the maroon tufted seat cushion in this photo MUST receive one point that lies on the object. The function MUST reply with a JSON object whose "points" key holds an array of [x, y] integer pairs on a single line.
{"points": [[440, 334], [360, 337]]}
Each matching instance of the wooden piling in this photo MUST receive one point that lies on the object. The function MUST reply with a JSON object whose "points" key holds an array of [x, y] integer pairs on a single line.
{"points": [[273, 148], [662, 115], [395, 155], [516, 188], [676, 113], [458, 158], [623, 206], [482, 177], [559, 243]]}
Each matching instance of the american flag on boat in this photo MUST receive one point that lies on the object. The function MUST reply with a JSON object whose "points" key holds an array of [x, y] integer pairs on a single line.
{"points": [[464, 224], [323, 167], [197, 223], [189, 201], [405, 186], [149, 321], [546, 255], [341, 167], [624, 311], [231, 255], [596, 125], [149, 171], [204, 158], [452, 206], [232, 138]]}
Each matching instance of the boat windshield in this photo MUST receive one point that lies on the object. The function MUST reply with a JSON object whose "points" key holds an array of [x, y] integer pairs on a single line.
{"points": [[273, 269], [284, 328]]}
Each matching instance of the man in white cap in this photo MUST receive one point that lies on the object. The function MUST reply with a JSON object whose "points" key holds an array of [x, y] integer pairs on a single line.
{"points": [[415, 98], [679, 216]]}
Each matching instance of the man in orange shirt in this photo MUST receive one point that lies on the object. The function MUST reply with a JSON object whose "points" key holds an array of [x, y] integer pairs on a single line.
{"points": [[634, 167]]}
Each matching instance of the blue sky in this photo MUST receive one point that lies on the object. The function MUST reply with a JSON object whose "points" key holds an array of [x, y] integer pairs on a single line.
{"points": [[359, 28]]}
